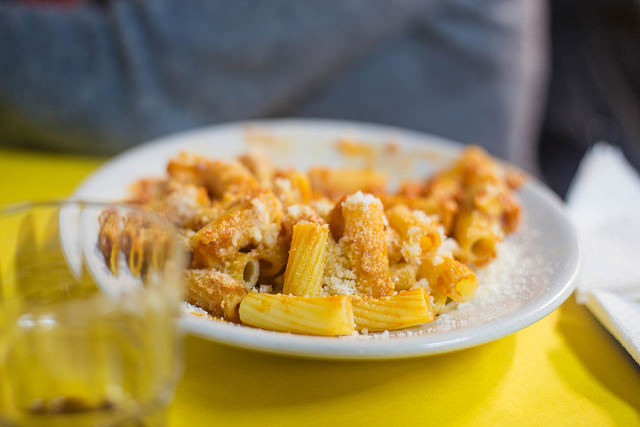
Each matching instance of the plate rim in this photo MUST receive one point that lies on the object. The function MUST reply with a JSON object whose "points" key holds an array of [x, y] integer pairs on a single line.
{"points": [[372, 348]]}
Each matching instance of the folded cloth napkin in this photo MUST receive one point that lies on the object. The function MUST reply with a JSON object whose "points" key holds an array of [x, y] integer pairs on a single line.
{"points": [[604, 203]]}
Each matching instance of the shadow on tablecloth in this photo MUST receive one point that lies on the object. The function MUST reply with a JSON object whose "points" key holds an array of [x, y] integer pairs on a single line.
{"points": [[599, 353]]}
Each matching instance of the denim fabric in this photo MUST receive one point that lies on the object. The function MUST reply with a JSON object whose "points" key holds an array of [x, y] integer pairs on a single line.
{"points": [[99, 78]]}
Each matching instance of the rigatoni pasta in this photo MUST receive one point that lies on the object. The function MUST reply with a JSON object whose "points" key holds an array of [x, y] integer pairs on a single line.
{"points": [[477, 237], [407, 308], [450, 277], [303, 275], [336, 183], [303, 315], [328, 252], [217, 293], [365, 238], [109, 239]]}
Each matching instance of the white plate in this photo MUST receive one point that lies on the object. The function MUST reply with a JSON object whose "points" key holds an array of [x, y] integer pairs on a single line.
{"points": [[534, 274]]}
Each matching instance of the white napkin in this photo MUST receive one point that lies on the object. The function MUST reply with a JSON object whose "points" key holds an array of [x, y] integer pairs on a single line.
{"points": [[604, 203]]}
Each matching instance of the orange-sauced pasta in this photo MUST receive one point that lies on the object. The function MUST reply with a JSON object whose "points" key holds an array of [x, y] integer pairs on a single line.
{"points": [[323, 252]]}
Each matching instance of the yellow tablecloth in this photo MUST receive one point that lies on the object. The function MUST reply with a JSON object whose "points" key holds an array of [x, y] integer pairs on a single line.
{"points": [[564, 370]]}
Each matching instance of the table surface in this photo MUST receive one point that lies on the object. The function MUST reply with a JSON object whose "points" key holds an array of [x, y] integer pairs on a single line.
{"points": [[564, 370]]}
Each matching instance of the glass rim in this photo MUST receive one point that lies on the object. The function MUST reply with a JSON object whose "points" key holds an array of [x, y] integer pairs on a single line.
{"points": [[14, 208], [94, 208]]}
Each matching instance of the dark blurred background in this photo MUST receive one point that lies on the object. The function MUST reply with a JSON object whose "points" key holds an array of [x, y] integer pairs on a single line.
{"points": [[594, 89], [534, 82]]}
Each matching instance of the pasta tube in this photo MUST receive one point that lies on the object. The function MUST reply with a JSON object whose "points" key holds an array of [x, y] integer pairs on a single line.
{"points": [[364, 232], [419, 234], [248, 222], [241, 267], [184, 204], [272, 260], [300, 183], [335, 183], [403, 276], [407, 308], [302, 315], [109, 238], [477, 237], [495, 200], [444, 209], [305, 266], [251, 273], [216, 176], [449, 277], [215, 292], [259, 165], [487, 187], [439, 300], [336, 220], [149, 191], [157, 247], [134, 237], [445, 185], [292, 187]]}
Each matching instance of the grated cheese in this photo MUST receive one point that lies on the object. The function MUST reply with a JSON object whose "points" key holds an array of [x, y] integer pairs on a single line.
{"points": [[447, 248], [294, 210], [260, 208], [338, 277], [360, 199], [283, 184], [265, 288]]}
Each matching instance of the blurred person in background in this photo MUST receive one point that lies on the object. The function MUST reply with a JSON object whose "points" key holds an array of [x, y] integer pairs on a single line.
{"points": [[594, 89], [97, 77], [100, 76]]}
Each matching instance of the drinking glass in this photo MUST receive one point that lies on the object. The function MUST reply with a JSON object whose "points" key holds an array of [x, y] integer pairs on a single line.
{"points": [[89, 301]]}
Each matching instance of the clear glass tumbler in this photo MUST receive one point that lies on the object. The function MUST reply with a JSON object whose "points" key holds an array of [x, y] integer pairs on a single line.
{"points": [[89, 303]]}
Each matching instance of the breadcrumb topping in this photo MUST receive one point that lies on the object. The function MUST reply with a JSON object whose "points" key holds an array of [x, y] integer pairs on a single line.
{"points": [[237, 219]]}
